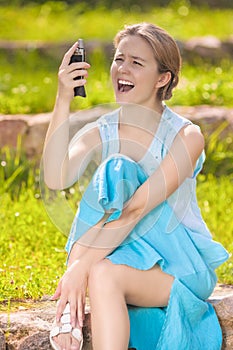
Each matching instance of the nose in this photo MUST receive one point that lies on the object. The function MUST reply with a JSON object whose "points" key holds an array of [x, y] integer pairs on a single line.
{"points": [[123, 67]]}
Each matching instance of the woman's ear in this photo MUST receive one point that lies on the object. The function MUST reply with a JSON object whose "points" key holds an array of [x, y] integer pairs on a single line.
{"points": [[164, 78]]}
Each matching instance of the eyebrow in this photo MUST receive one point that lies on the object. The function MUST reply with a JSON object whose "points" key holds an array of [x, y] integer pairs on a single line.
{"points": [[138, 58], [132, 56]]}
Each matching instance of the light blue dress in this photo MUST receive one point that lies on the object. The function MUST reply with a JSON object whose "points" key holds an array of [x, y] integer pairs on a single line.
{"points": [[173, 235]]}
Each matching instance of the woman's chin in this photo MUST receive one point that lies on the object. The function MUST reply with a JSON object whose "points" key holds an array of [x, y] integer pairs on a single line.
{"points": [[123, 98]]}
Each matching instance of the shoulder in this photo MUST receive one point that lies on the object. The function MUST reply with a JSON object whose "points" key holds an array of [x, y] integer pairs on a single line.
{"points": [[174, 119], [186, 134], [191, 133], [183, 126], [189, 141], [108, 119]]}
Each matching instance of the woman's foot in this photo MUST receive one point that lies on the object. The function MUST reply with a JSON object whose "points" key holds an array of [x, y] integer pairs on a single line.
{"points": [[63, 336], [66, 341]]}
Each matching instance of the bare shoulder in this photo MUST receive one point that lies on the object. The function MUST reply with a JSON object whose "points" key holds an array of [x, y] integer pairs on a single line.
{"points": [[192, 137]]}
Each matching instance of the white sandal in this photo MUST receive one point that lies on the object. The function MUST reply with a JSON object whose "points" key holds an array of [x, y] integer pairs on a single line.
{"points": [[65, 328]]}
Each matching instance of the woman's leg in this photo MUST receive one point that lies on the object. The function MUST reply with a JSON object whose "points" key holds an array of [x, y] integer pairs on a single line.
{"points": [[111, 288]]}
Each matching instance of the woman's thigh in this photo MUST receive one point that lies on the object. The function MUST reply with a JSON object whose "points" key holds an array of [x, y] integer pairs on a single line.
{"points": [[145, 288]]}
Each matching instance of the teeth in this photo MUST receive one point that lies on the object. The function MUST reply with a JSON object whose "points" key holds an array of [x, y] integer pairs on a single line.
{"points": [[124, 82]]}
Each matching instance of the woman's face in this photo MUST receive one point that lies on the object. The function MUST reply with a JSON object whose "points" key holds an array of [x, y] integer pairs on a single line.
{"points": [[134, 72]]}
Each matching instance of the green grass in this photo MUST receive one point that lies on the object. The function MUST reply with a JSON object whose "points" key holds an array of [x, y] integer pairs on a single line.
{"points": [[28, 78], [17, 172], [219, 152], [215, 197], [55, 21], [32, 249], [28, 82], [32, 257], [205, 83]]}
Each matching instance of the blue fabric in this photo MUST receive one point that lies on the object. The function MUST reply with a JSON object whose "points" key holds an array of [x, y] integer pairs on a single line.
{"points": [[112, 185], [188, 322], [183, 201]]}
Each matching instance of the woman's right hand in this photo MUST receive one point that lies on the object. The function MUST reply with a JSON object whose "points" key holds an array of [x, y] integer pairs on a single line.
{"points": [[72, 288], [67, 73]]}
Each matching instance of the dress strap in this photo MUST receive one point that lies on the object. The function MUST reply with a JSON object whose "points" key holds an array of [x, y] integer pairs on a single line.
{"points": [[108, 129], [171, 125]]}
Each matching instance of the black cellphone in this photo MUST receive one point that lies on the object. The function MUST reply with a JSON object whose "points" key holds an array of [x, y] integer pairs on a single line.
{"points": [[79, 56]]}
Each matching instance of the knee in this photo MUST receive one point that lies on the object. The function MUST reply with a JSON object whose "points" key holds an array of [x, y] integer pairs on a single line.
{"points": [[101, 277]]}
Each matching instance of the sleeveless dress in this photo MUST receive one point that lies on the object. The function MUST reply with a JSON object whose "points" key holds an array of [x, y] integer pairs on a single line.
{"points": [[173, 235]]}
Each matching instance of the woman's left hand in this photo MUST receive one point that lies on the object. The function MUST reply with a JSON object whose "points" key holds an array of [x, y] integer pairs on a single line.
{"points": [[72, 288]]}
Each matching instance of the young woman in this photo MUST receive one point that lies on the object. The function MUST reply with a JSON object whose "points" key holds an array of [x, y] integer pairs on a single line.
{"points": [[138, 242]]}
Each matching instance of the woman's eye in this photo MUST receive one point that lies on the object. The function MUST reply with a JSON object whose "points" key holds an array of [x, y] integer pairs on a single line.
{"points": [[118, 59], [137, 63]]}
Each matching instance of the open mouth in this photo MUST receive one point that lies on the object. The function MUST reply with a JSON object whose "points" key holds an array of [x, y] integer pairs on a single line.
{"points": [[125, 85]]}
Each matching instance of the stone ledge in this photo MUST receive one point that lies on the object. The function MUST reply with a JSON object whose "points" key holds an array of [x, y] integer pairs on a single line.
{"points": [[32, 128], [206, 47], [29, 329]]}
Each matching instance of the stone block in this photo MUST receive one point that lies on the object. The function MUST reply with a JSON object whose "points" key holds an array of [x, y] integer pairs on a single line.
{"points": [[32, 128], [29, 329]]}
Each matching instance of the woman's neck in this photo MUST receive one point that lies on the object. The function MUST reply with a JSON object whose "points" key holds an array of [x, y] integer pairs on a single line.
{"points": [[141, 116]]}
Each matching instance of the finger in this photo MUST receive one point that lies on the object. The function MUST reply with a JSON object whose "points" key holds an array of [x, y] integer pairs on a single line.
{"points": [[60, 308], [78, 66], [80, 82], [81, 311], [73, 313], [57, 293], [78, 73], [68, 54], [66, 76]]}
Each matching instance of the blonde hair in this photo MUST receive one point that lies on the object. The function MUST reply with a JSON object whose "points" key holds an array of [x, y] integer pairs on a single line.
{"points": [[165, 49]]}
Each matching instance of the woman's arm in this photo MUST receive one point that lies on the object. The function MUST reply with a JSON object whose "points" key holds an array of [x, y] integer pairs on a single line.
{"points": [[55, 156], [95, 245], [101, 240], [178, 164]]}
